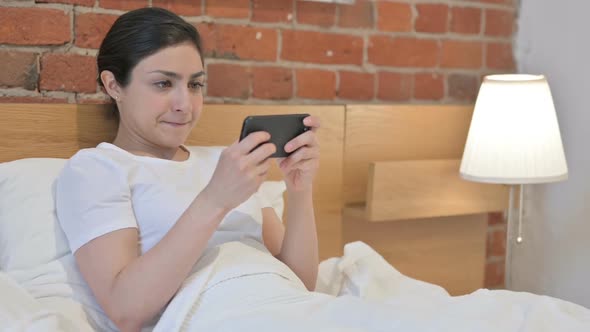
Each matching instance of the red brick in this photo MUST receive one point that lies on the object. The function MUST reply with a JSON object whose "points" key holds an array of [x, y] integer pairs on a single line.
{"points": [[228, 80], [87, 3], [463, 87], [228, 8], [68, 72], [180, 7], [315, 13], [32, 100], [395, 86], [324, 48], [495, 218], [429, 86], [92, 28], [272, 10], [394, 16], [499, 22], [358, 15], [239, 42], [432, 18], [123, 4], [494, 275], [209, 35], [496, 243], [356, 86], [272, 83], [19, 69], [466, 20], [499, 56], [462, 54], [316, 84], [403, 51], [34, 26]]}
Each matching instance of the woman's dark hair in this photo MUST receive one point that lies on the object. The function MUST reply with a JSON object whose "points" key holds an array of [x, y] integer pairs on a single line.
{"points": [[138, 34]]}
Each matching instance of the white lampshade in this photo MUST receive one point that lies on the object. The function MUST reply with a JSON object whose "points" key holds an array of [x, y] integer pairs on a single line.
{"points": [[514, 134]]}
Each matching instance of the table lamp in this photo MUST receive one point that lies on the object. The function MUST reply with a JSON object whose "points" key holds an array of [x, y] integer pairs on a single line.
{"points": [[514, 139]]}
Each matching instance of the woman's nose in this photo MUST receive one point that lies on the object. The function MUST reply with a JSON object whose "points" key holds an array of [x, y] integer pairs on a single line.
{"points": [[183, 101]]}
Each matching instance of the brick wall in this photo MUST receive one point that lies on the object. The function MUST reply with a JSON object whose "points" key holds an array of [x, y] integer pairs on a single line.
{"points": [[279, 51]]}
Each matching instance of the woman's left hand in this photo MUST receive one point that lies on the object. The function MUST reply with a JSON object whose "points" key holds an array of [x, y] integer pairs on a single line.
{"points": [[300, 168]]}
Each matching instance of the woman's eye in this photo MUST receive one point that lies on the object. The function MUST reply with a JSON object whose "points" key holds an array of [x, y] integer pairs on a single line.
{"points": [[163, 84], [195, 85]]}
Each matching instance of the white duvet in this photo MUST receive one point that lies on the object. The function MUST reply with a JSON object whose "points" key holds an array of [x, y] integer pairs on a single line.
{"points": [[360, 292], [21, 312], [357, 292]]}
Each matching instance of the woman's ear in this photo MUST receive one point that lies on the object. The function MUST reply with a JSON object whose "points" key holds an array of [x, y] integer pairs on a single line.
{"points": [[111, 85]]}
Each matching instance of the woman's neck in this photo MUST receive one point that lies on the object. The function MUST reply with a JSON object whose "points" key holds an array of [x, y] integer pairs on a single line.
{"points": [[140, 147]]}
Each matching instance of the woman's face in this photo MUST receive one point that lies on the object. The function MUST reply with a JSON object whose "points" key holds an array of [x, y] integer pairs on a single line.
{"points": [[163, 100]]}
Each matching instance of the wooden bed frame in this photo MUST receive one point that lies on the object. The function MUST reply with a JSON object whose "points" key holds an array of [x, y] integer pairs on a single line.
{"points": [[448, 250]]}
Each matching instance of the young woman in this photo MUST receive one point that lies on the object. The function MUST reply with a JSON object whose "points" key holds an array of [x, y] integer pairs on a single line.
{"points": [[182, 239], [141, 211]]}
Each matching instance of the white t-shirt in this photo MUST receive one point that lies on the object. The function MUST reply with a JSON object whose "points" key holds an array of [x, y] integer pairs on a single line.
{"points": [[104, 189]]}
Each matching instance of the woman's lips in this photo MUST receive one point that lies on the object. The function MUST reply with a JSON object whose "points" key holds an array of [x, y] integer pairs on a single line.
{"points": [[176, 124]]}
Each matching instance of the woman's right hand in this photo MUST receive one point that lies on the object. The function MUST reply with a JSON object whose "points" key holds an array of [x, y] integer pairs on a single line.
{"points": [[240, 171]]}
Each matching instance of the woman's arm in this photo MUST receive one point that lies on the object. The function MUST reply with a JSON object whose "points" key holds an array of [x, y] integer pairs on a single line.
{"points": [[299, 247], [132, 288]]}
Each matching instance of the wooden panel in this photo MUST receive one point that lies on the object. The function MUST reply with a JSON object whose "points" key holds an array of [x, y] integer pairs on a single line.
{"points": [[56, 130], [399, 132], [44, 130], [427, 188], [449, 251]]}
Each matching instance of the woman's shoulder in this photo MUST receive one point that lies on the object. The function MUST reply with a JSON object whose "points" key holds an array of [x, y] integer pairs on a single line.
{"points": [[94, 161], [97, 154]]}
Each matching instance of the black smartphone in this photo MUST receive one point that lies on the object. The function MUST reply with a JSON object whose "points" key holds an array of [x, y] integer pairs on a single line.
{"points": [[281, 127]]}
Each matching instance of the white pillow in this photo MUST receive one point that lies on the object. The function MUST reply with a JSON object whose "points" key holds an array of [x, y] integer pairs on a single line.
{"points": [[30, 234], [34, 250]]}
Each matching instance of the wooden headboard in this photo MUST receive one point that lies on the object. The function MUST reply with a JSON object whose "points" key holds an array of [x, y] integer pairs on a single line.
{"points": [[59, 130]]}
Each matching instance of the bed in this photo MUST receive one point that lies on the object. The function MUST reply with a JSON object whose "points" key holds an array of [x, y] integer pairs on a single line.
{"points": [[36, 268]]}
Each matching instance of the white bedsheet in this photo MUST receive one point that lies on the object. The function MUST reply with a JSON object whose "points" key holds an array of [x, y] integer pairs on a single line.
{"points": [[357, 292], [391, 302], [20, 312]]}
